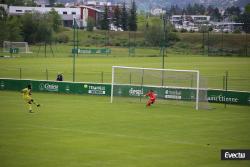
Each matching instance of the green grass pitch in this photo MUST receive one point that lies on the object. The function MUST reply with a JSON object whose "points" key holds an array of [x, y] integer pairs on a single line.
{"points": [[79, 131], [89, 69]]}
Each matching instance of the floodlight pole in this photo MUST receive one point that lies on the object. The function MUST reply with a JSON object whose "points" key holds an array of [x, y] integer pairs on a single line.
{"points": [[246, 44], [197, 90], [164, 43], [74, 50], [164, 40], [129, 49]]}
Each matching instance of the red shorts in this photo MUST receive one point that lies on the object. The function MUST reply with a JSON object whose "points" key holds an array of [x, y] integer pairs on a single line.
{"points": [[152, 100]]}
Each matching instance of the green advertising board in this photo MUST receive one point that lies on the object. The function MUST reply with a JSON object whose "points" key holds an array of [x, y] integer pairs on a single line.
{"points": [[55, 86], [217, 96], [163, 93], [229, 97], [14, 50], [92, 51]]}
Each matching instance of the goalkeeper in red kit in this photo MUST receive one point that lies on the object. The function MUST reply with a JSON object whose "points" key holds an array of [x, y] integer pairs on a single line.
{"points": [[152, 97]]}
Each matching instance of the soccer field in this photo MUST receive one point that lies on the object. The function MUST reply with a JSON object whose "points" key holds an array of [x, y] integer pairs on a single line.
{"points": [[77, 131], [98, 69]]}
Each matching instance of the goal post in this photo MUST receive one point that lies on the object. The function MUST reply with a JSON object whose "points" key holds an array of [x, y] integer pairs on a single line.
{"points": [[169, 84], [22, 47]]}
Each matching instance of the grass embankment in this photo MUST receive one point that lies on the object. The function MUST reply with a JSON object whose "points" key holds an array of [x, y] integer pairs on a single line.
{"points": [[98, 69]]}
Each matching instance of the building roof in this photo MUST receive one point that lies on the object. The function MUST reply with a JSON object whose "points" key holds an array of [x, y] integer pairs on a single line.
{"points": [[90, 7]]}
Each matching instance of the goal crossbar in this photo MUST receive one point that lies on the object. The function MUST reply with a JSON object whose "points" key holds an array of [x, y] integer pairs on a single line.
{"points": [[158, 69]]}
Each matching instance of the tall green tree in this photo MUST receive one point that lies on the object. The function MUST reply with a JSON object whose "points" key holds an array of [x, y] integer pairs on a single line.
{"points": [[29, 3], [3, 25], [52, 2], [9, 27], [3, 14], [37, 27], [117, 16], [247, 8], [29, 26], [132, 21], [44, 31], [14, 30], [124, 17], [214, 13], [232, 13], [175, 10], [245, 19], [55, 19], [14, 2], [105, 19], [154, 36]]}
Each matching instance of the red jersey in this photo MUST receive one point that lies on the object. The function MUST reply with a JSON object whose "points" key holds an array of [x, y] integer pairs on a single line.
{"points": [[151, 95]]}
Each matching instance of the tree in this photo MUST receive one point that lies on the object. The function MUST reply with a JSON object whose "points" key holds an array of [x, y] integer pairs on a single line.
{"points": [[195, 9], [105, 20], [55, 19], [29, 3], [52, 2], [247, 8], [200, 9], [44, 31], [245, 19], [3, 25], [14, 2], [117, 16], [132, 21], [29, 26], [124, 18], [189, 10], [14, 30], [90, 24], [232, 13], [3, 14], [175, 10], [154, 36], [214, 13], [37, 27], [10, 27]]}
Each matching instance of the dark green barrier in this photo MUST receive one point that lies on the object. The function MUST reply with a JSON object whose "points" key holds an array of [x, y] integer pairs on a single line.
{"points": [[217, 96], [92, 51], [57, 87], [164, 93], [229, 97]]}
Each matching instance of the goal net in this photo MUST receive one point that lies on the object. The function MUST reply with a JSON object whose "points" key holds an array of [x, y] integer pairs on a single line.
{"points": [[22, 47], [170, 85]]}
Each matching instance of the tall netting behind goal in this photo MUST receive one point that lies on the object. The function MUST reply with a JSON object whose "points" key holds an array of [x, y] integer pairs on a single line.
{"points": [[177, 87], [22, 47]]}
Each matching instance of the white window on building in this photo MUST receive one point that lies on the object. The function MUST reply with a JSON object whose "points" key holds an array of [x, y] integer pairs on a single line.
{"points": [[64, 12]]}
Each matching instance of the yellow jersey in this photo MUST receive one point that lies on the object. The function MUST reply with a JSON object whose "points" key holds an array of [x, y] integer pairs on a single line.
{"points": [[26, 92]]}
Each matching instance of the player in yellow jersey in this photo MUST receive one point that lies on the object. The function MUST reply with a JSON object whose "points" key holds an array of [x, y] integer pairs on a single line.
{"points": [[28, 99]]}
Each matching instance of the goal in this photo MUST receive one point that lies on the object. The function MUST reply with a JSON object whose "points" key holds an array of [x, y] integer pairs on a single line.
{"points": [[22, 47], [171, 85]]}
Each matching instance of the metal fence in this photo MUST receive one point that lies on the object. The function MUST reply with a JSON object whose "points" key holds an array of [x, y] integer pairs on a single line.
{"points": [[224, 81]]}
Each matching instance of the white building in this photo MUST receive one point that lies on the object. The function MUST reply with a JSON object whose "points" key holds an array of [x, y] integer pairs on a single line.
{"points": [[157, 12], [67, 14], [189, 22], [192, 18], [226, 26]]}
